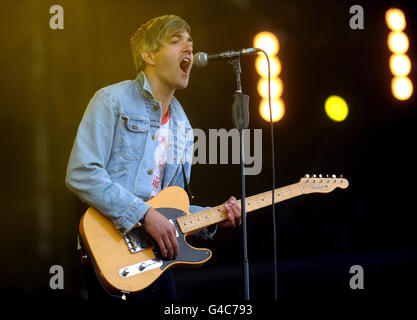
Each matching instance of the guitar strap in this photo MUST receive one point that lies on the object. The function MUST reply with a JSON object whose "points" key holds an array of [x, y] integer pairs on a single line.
{"points": [[186, 185]]}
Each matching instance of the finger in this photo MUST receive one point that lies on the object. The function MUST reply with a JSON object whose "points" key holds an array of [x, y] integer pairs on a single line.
{"points": [[162, 246], [231, 215], [174, 242], [238, 215], [236, 210], [225, 224], [168, 246], [229, 212], [230, 202]]}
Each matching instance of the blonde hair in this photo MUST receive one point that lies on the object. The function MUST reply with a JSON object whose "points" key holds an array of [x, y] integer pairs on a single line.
{"points": [[150, 34]]}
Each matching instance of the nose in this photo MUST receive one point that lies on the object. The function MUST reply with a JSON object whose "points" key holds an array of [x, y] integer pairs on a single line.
{"points": [[188, 47]]}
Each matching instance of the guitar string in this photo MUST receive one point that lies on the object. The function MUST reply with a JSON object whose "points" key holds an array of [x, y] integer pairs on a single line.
{"points": [[210, 214], [267, 196], [214, 213], [283, 192]]}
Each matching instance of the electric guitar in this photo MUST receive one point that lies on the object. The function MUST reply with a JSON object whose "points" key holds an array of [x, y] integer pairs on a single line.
{"points": [[132, 262]]}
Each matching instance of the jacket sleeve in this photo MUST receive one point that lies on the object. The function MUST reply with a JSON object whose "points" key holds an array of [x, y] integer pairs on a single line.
{"points": [[86, 174]]}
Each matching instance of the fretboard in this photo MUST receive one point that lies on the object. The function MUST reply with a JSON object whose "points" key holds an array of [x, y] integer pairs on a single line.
{"points": [[207, 217]]}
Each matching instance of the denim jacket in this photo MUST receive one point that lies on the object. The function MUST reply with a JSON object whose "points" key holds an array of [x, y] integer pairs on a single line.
{"points": [[112, 159]]}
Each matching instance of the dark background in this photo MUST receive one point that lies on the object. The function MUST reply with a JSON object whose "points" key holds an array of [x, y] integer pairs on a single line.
{"points": [[48, 76]]}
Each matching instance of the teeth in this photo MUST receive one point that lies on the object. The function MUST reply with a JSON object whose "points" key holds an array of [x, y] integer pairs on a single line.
{"points": [[185, 63]]}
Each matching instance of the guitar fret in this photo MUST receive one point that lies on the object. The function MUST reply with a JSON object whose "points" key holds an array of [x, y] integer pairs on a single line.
{"points": [[217, 214], [257, 199]]}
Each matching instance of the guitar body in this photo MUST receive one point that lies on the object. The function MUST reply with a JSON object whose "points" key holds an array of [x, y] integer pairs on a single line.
{"points": [[132, 263]]}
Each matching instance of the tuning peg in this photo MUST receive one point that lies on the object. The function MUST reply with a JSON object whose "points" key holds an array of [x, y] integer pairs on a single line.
{"points": [[307, 175], [341, 176], [333, 176], [320, 175], [327, 175], [314, 176]]}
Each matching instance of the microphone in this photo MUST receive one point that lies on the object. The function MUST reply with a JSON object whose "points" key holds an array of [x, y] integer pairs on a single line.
{"points": [[201, 59]]}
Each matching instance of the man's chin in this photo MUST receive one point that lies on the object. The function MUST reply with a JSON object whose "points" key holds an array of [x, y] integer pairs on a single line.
{"points": [[182, 85]]}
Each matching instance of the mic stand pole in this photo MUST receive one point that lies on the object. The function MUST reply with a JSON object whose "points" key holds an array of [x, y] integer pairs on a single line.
{"points": [[240, 115]]}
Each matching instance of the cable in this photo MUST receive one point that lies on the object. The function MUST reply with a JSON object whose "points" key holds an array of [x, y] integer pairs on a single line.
{"points": [[273, 178]]}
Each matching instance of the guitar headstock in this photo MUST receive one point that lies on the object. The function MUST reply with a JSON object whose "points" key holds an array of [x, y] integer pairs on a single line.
{"points": [[313, 184]]}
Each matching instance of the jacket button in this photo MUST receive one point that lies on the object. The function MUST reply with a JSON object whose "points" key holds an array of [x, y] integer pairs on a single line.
{"points": [[155, 136], [134, 127], [155, 107], [149, 171]]}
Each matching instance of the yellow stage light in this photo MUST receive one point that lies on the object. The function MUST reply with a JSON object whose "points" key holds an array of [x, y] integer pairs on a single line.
{"points": [[395, 19], [402, 88], [397, 42], [278, 109], [266, 41], [261, 65], [336, 108], [400, 65], [276, 88]]}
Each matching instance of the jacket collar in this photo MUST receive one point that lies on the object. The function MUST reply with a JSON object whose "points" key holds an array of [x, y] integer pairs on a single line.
{"points": [[176, 108], [144, 84]]}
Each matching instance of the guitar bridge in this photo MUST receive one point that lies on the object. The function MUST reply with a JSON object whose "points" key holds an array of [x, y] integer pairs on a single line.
{"points": [[137, 240]]}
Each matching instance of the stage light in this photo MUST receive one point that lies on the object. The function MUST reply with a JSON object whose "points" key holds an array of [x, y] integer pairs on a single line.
{"points": [[399, 62], [261, 65], [336, 108], [266, 41], [278, 109], [276, 88], [397, 42], [402, 88], [400, 65], [395, 19]]}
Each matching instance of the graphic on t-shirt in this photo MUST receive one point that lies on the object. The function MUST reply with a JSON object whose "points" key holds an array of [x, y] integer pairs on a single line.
{"points": [[160, 158]]}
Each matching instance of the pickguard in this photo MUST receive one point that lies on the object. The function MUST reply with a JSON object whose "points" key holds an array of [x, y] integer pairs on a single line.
{"points": [[138, 239]]}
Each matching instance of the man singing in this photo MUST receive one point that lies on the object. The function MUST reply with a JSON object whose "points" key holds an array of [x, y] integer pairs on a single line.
{"points": [[128, 145]]}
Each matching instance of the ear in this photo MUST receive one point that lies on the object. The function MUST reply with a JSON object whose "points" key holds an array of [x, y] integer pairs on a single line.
{"points": [[148, 57]]}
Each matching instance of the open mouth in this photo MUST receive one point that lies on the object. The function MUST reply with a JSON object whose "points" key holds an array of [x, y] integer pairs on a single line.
{"points": [[185, 64]]}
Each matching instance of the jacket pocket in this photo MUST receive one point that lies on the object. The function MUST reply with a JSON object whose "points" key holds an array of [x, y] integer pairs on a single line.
{"points": [[119, 176], [131, 136]]}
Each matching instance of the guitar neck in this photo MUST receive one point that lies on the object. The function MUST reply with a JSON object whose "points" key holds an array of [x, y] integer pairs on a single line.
{"points": [[207, 217]]}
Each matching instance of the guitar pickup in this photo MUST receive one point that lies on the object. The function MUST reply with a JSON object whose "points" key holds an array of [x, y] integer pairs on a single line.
{"points": [[140, 267]]}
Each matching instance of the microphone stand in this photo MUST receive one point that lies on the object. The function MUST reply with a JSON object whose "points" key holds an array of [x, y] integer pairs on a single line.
{"points": [[240, 115]]}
